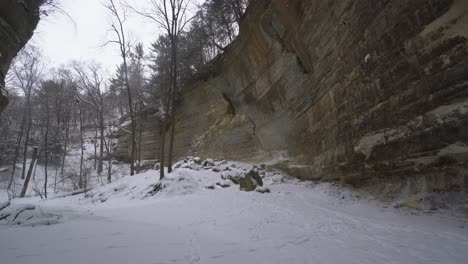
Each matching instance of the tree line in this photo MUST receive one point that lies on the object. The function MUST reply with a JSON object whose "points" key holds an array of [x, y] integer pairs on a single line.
{"points": [[51, 108]]}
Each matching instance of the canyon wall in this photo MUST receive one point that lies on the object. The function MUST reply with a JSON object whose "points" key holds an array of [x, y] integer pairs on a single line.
{"points": [[370, 93], [18, 19]]}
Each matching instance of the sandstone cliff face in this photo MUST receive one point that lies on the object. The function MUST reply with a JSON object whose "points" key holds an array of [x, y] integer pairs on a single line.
{"points": [[18, 19], [373, 93]]}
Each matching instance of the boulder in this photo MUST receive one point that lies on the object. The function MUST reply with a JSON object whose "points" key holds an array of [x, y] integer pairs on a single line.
{"points": [[263, 190], [208, 163], [221, 162], [234, 176], [255, 176], [249, 181], [246, 184], [224, 183], [179, 164], [194, 166]]}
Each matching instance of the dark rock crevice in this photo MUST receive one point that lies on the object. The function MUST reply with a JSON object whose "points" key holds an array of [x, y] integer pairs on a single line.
{"points": [[231, 110]]}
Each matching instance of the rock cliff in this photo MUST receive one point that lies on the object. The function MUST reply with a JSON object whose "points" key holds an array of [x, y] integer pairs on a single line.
{"points": [[371, 93], [18, 19]]}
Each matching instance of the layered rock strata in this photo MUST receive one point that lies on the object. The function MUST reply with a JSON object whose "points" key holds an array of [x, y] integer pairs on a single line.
{"points": [[371, 93]]}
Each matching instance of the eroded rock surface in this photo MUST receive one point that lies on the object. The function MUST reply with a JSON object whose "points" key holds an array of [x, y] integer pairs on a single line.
{"points": [[18, 19], [372, 93]]}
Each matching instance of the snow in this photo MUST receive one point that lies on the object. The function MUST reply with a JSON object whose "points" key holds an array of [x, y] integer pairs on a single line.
{"points": [[184, 222], [126, 123], [456, 148], [367, 58], [368, 142]]}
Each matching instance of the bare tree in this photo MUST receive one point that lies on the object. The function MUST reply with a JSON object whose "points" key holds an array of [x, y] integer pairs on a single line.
{"points": [[90, 80], [69, 111], [139, 107], [109, 149], [27, 74], [117, 28], [46, 141], [67, 135], [30, 171], [172, 17], [80, 109], [17, 149]]}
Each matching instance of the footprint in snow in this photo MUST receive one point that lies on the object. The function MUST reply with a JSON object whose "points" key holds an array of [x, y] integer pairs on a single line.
{"points": [[27, 255], [114, 247], [300, 240]]}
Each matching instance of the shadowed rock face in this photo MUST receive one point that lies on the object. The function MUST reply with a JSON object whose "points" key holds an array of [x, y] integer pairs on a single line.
{"points": [[18, 19], [372, 93]]}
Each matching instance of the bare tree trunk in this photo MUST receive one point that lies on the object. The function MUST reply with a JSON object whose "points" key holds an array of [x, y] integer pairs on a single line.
{"points": [[173, 95], [46, 173], [46, 145], [139, 145], [46, 151], [161, 154], [55, 178], [95, 144], [132, 118], [109, 171], [74, 121], [80, 181], [28, 177], [163, 133], [109, 157], [67, 131], [109, 166], [123, 45], [17, 150], [34, 169], [167, 115], [101, 144], [25, 151], [172, 17]]}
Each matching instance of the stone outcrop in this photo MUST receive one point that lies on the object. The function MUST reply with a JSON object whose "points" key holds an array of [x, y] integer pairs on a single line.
{"points": [[371, 93], [18, 19]]}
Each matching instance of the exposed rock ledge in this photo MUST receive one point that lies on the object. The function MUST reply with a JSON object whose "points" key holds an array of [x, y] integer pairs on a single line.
{"points": [[18, 19], [372, 93]]}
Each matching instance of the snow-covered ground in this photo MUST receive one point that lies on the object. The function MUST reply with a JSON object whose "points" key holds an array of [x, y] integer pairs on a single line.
{"points": [[185, 222]]}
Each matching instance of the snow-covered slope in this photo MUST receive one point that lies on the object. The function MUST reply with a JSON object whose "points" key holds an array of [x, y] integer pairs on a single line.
{"points": [[185, 222]]}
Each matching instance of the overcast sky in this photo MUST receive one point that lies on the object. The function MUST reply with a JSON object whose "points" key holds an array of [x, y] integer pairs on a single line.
{"points": [[62, 39]]}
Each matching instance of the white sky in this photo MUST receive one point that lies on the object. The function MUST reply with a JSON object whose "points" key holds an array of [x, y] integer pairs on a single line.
{"points": [[62, 40]]}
